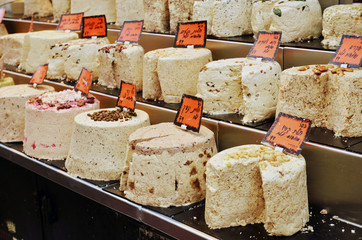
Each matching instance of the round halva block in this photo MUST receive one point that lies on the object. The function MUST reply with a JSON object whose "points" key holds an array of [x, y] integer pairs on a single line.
{"points": [[165, 165], [256, 184], [49, 122], [98, 146], [12, 109]]}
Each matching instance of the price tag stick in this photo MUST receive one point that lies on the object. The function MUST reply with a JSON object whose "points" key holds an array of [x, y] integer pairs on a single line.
{"points": [[39, 75], [84, 81], [131, 32], [191, 34], [265, 46], [31, 23], [2, 68], [127, 96], [288, 132], [190, 113], [349, 52], [2, 14], [70, 22]]}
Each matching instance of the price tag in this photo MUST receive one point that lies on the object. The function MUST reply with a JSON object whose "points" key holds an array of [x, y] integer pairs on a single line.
{"points": [[72, 22], [349, 52], [190, 113], [289, 133], [266, 45], [39, 75], [127, 96], [84, 81], [130, 32], [191, 33], [2, 14], [94, 26]]}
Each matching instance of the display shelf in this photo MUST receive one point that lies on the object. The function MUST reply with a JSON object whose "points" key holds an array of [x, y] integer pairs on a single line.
{"points": [[333, 164], [186, 222]]}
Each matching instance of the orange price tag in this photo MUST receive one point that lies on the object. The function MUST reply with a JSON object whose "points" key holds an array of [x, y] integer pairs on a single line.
{"points": [[289, 133], [2, 14], [39, 75], [266, 45], [191, 34], [349, 52], [71, 22], [84, 81], [190, 113], [94, 26], [130, 32], [127, 96], [31, 23]]}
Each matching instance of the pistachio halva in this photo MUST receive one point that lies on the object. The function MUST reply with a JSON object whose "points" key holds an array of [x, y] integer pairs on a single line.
{"points": [[166, 165], [12, 110], [328, 95], [49, 121], [100, 140], [256, 184], [240, 85], [297, 19]]}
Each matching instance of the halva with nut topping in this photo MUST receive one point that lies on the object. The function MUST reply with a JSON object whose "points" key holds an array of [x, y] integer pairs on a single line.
{"points": [[256, 184], [99, 142], [328, 95]]}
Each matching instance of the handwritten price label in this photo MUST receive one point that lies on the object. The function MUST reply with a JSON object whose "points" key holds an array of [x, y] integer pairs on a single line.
{"points": [[190, 113], [84, 81], [191, 34], [94, 26], [349, 52], [39, 75], [288, 132], [2, 14], [127, 96], [266, 45], [71, 22], [130, 32]]}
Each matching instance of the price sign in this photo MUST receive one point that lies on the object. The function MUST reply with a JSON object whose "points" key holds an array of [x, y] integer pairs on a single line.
{"points": [[288, 132], [130, 32], [39, 75], [349, 52], [190, 113], [191, 34], [2, 14], [84, 81], [71, 22], [127, 96], [266, 45], [94, 26]]}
